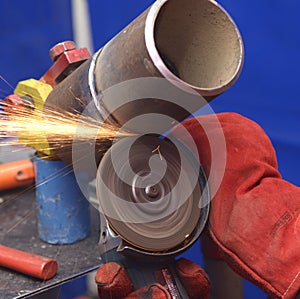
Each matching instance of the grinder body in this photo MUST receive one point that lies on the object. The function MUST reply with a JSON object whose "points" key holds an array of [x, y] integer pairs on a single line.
{"points": [[145, 226], [143, 273]]}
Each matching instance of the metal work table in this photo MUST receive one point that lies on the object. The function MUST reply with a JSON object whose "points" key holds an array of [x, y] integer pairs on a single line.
{"points": [[19, 230]]}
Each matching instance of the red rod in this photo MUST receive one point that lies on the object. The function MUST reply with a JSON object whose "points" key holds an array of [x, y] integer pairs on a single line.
{"points": [[27, 263], [16, 174]]}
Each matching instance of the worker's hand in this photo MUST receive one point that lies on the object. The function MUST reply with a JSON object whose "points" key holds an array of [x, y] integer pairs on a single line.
{"points": [[113, 282], [254, 220]]}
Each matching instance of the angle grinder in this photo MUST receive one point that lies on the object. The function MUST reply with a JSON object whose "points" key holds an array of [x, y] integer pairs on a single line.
{"points": [[154, 204]]}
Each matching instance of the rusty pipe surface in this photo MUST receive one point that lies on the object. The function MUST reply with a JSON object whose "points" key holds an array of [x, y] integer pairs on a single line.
{"points": [[194, 45], [197, 36]]}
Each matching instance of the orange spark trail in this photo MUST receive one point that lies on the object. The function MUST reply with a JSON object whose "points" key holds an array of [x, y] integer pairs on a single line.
{"points": [[58, 127]]}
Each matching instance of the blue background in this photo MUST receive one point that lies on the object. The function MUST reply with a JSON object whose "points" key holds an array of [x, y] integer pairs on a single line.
{"points": [[266, 92]]}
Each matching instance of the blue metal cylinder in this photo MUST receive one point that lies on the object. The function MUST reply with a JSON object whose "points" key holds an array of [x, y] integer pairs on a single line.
{"points": [[62, 210]]}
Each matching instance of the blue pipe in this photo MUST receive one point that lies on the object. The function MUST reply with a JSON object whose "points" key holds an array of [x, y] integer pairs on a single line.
{"points": [[62, 210]]}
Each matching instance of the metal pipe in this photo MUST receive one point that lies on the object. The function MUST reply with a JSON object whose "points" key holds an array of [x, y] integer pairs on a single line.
{"points": [[197, 37], [62, 210], [194, 45], [81, 24]]}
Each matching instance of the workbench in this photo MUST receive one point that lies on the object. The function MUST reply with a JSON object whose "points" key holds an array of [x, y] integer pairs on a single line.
{"points": [[19, 230]]}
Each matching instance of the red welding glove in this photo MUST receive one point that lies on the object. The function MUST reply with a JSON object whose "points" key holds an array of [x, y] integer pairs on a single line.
{"points": [[113, 282], [254, 219]]}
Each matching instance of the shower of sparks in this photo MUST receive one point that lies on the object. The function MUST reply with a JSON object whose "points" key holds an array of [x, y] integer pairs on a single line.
{"points": [[60, 128]]}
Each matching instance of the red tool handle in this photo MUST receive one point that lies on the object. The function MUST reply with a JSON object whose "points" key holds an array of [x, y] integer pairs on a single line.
{"points": [[16, 174], [27, 263]]}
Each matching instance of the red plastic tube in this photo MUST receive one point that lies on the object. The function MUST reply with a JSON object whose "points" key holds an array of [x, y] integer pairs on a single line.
{"points": [[16, 174], [27, 263]]}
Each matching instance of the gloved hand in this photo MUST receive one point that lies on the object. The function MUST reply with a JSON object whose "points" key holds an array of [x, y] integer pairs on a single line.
{"points": [[254, 220], [113, 282]]}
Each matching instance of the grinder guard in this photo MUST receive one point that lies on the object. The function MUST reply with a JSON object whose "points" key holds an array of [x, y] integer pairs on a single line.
{"points": [[172, 229], [125, 242]]}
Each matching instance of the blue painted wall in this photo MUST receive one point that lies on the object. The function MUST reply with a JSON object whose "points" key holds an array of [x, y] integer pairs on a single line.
{"points": [[266, 92]]}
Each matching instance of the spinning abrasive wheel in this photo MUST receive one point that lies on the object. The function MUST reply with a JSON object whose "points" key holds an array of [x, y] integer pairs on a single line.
{"points": [[153, 195], [154, 203]]}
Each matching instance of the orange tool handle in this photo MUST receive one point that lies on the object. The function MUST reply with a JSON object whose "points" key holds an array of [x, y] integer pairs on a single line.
{"points": [[16, 174], [27, 263]]}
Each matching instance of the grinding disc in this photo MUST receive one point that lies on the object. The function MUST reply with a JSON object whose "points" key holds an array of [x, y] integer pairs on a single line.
{"points": [[149, 192]]}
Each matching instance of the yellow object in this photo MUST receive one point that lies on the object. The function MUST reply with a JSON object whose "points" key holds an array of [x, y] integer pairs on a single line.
{"points": [[39, 92]]}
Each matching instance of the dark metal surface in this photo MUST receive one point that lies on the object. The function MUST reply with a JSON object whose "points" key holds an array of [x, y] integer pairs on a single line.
{"points": [[73, 93], [19, 230], [147, 274]]}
